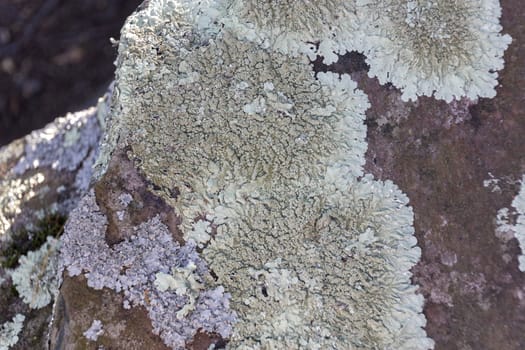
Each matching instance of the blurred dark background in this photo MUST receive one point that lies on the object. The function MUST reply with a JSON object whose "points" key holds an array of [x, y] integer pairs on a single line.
{"points": [[55, 57]]}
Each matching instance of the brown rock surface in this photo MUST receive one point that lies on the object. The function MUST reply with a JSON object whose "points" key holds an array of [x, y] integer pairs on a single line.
{"points": [[78, 305], [439, 155]]}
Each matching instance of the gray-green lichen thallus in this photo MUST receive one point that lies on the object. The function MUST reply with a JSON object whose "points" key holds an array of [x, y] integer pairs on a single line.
{"points": [[262, 162]]}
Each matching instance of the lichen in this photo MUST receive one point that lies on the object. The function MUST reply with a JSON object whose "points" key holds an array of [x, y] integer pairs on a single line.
{"points": [[63, 144], [53, 170], [9, 332], [294, 27], [200, 233], [94, 331], [185, 282], [236, 130], [504, 224], [329, 270], [246, 140], [131, 267], [445, 48], [36, 278], [13, 194]]}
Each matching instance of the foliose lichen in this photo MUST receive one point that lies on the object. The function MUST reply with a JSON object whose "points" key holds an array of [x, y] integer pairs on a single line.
{"points": [[324, 27], [519, 204], [185, 282], [94, 331], [9, 332], [301, 124], [330, 269], [444, 48], [36, 278]]}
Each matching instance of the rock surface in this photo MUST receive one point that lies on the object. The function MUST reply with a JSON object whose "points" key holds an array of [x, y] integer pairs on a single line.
{"points": [[42, 178], [177, 245], [442, 156]]}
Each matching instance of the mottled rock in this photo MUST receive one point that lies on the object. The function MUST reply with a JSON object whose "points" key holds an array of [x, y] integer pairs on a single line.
{"points": [[272, 237], [42, 178], [234, 202]]}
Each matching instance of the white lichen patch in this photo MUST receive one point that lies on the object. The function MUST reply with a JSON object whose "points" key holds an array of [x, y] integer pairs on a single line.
{"points": [[125, 199], [253, 144], [13, 193], [293, 26], [441, 48], [238, 130], [492, 183], [36, 278], [9, 332], [518, 228], [94, 331], [63, 144], [328, 270], [140, 268], [200, 232], [65, 148], [185, 282]]}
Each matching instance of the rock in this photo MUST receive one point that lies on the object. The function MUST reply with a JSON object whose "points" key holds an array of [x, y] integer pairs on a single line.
{"points": [[211, 132], [253, 183], [42, 178]]}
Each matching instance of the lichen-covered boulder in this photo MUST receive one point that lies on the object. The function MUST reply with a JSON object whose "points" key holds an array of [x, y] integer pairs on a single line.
{"points": [[42, 178], [246, 192], [230, 201]]}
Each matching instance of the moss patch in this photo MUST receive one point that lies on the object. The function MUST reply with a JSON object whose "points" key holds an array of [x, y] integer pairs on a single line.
{"points": [[27, 240]]}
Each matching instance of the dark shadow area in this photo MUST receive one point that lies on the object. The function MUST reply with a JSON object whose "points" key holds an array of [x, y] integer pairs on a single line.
{"points": [[350, 62], [55, 57]]}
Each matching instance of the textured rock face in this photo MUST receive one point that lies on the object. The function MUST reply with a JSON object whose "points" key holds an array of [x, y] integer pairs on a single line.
{"points": [[460, 164], [234, 204], [42, 178], [277, 238]]}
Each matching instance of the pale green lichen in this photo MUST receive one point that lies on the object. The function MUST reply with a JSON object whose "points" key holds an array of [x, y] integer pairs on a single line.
{"points": [[183, 280], [248, 141], [9, 332], [519, 204], [328, 270], [235, 131], [200, 232], [36, 278], [293, 27], [444, 48], [517, 228]]}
